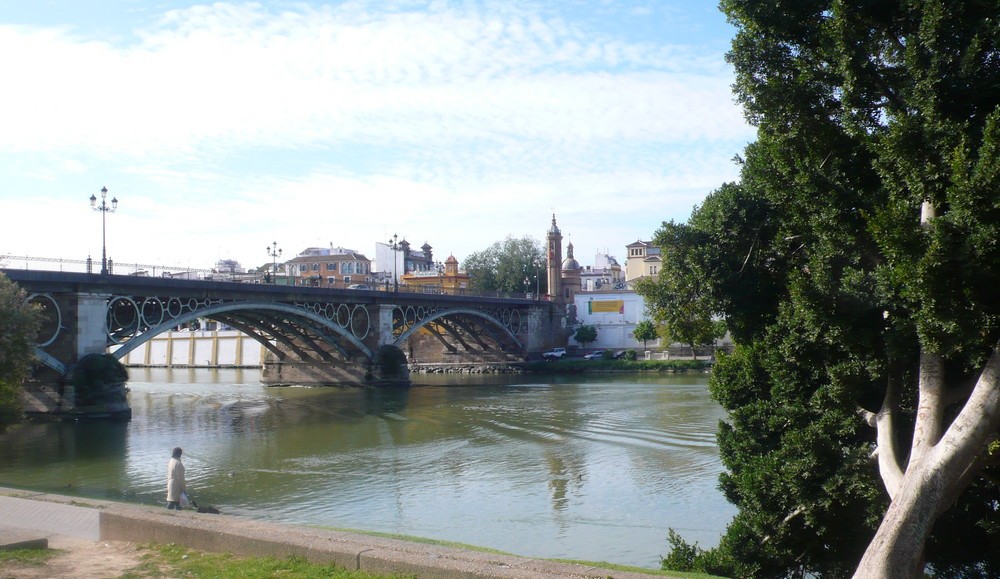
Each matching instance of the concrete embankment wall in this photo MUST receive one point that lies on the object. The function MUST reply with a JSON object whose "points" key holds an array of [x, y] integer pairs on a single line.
{"points": [[252, 538], [207, 349]]}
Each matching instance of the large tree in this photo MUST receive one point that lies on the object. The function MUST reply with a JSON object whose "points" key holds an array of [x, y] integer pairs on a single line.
{"points": [[19, 322], [856, 264], [505, 265], [690, 318]]}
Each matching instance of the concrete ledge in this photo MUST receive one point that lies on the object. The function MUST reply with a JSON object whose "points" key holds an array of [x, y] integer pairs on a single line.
{"points": [[251, 538], [247, 537], [11, 539]]}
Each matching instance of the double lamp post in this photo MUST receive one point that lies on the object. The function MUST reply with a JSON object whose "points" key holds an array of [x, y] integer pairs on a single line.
{"points": [[104, 208], [275, 253]]}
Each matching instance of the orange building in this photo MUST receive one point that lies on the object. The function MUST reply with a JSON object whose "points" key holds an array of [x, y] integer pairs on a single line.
{"points": [[336, 268], [448, 280]]}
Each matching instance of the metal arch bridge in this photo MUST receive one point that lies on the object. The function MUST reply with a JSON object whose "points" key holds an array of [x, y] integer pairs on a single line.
{"points": [[87, 313]]}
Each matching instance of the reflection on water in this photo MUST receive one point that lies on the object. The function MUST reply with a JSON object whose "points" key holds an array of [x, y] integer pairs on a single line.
{"points": [[594, 467]]}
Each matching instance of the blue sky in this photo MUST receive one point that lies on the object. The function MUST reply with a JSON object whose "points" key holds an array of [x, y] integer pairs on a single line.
{"points": [[224, 126]]}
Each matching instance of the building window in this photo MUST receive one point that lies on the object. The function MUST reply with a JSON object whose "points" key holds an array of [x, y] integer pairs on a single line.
{"points": [[315, 267], [331, 281], [652, 270], [303, 267], [347, 279], [331, 266]]}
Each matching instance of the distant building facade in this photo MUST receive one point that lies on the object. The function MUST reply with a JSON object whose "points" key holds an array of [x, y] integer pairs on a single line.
{"points": [[392, 264], [334, 267], [606, 275], [643, 260], [447, 279]]}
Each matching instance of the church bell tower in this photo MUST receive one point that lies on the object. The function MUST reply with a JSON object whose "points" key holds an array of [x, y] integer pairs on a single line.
{"points": [[554, 238]]}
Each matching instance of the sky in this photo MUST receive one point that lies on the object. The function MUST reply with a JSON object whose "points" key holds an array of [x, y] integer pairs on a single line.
{"points": [[222, 127]]}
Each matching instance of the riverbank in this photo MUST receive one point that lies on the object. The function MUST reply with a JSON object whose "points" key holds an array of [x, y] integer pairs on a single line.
{"points": [[571, 366], [125, 525]]}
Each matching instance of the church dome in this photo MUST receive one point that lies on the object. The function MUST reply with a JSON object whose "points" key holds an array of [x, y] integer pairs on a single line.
{"points": [[570, 263]]}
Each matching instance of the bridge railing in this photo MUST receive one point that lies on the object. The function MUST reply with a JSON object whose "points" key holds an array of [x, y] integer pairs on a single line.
{"points": [[24, 262], [89, 265]]}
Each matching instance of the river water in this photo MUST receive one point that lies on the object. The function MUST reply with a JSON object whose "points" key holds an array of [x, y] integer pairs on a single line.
{"points": [[592, 467]]}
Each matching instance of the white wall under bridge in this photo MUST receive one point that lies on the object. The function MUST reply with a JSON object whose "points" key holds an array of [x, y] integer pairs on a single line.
{"points": [[197, 349]]}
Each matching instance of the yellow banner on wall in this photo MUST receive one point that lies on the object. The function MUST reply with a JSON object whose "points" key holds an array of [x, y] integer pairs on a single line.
{"points": [[606, 307]]}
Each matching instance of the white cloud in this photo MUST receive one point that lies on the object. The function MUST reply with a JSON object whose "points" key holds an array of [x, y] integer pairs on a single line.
{"points": [[231, 123]]}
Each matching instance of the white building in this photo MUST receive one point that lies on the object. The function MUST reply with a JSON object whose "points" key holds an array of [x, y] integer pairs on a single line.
{"points": [[615, 315], [388, 263]]}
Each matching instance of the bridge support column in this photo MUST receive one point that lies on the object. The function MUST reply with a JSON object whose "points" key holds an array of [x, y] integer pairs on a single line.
{"points": [[385, 325], [91, 324], [95, 388], [546, 328]]}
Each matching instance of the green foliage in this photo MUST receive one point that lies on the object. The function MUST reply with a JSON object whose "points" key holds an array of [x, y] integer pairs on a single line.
{"points": [[682, 555], [679, 299], [685, 557], [503, 267], [190, 563], [630, 355], [607, 355], [645, 331], [585, 334], [30, 557], [817, 262], [19, 324]]}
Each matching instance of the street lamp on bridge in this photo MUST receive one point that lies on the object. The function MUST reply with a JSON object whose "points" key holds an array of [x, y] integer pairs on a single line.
{"points": [[394, 245], [275, 253], [104, 209]]}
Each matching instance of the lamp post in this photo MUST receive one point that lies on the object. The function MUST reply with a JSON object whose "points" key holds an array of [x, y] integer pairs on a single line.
{"points": [[275, 253], [104, 209], [394, 245]]}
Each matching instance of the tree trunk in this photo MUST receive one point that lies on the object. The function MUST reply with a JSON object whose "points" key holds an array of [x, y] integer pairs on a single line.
{"points": [[940, 468], [896, 552]]}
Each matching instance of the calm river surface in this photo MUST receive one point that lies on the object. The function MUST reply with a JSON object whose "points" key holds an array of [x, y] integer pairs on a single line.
{"points": [[593, 467]]}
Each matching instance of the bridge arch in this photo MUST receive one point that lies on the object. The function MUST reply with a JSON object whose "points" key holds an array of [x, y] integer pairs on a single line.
{"points": [[318, 323], [494, 324]]}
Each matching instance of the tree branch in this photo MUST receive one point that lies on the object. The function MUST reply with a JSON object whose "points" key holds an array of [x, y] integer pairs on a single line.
{"points": [[974, 426], [889, 461], [930, 408]]}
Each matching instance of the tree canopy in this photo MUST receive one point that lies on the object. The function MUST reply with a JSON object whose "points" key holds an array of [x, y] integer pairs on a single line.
{"points": [[645, 331], [856, 266], [505, 265], [678, 297], [585, 334], [19, 323]]}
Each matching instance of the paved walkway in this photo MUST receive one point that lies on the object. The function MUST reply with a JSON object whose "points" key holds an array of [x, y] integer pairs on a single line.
{"points": [[30, 519], [18, 514]]}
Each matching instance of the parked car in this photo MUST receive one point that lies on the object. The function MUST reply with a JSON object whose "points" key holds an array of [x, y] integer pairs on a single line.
{"points": [[595, 355], [555, 354], [359, 286]]}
